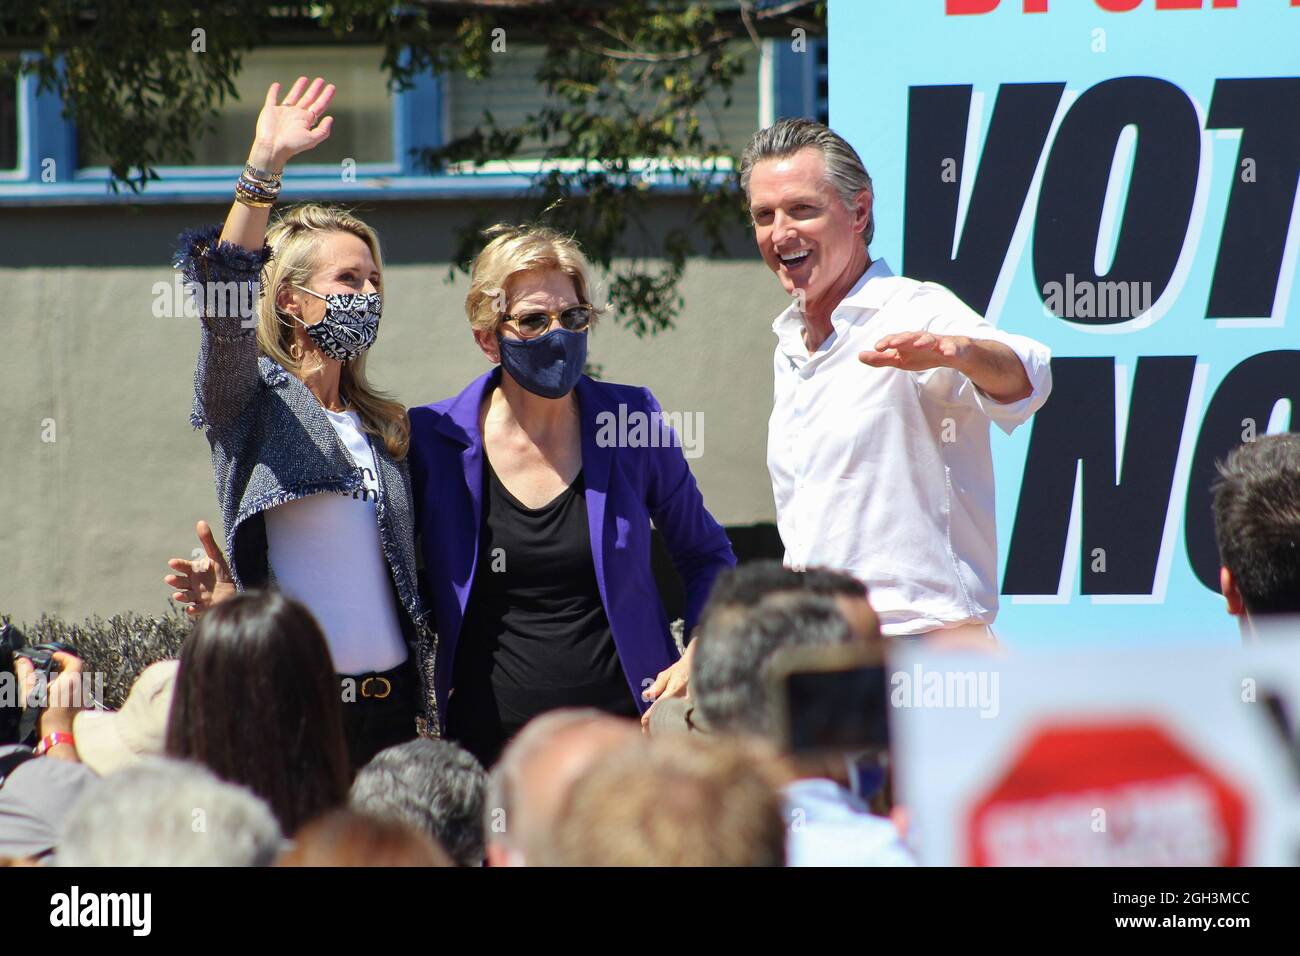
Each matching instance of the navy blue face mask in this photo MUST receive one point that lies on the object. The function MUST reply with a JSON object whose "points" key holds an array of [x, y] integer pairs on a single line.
{"points": [[549, 365]]}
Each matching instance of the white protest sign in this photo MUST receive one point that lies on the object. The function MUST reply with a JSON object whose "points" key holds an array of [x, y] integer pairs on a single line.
{"points": [[1168, 755]]}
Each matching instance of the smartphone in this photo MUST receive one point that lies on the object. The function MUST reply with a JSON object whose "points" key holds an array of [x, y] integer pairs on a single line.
{"points": [[830, 699]]}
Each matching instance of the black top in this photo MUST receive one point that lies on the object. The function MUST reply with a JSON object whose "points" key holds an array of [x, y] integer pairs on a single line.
{"points": [[535, 635]]}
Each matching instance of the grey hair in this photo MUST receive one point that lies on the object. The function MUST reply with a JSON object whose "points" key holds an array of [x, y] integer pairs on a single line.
{"points": [[503, 779], [434, 786], [163, 812], [844, 168], [729, 672]]}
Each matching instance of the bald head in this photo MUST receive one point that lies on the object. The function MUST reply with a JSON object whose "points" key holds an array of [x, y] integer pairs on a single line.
{"points": [[535, 773]]}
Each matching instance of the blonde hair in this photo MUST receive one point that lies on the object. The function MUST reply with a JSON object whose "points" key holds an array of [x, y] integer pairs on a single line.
{"points": [[295, 241], [516, 249], [684, 800]]}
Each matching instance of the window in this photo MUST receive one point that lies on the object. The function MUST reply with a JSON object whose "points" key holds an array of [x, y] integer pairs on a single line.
{"points": [[511, 92], [362, 108], [800, 84], [378, 129]]}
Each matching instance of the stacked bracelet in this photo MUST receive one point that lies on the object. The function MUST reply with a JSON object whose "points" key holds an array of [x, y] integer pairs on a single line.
{"points": [[253, 194], [257, 187]]}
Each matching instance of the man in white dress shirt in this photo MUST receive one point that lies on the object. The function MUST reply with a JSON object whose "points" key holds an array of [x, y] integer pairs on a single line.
{"points": [[878, 444]]}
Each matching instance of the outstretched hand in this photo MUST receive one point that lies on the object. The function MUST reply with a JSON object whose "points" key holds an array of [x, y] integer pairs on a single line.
{"points": [[917, 351], [204, 581]]}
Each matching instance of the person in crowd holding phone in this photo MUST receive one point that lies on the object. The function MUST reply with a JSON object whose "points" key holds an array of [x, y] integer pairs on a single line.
{"points": [[309, 458], [878, 443], [535, 526], [747, 584], [739, 641]]}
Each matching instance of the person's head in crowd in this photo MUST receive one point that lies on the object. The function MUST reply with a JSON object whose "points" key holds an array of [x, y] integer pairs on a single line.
{"points": [[108, 740], [528, 784], [348, 838], [435, 786], [676, 801], [736, 645], [747, 584], [1257, 527], [161, 812], [258, 703]]}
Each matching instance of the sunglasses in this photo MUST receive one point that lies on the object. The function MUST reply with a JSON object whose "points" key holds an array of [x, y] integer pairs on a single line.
{"points": [[576, 318]]}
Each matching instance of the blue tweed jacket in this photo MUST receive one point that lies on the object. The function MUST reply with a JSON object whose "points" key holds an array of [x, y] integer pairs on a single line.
{"points": [[272, 443]]}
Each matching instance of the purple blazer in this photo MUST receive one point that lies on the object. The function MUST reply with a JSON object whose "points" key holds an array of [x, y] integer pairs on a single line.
{"points": [[627, 488]]}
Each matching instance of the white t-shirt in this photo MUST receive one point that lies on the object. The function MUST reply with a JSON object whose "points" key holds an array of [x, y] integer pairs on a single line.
{"points": [[325, 551], [888, 474]]}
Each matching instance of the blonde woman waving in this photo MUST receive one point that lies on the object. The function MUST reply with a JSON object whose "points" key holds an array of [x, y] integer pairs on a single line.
{"points": [[309, 458]]}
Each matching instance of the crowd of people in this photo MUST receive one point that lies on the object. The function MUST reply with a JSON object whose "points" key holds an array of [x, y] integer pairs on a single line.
{"points": [[236, 755], [434, 635]]}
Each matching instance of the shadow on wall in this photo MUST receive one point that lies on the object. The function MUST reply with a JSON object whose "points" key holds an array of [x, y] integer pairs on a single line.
{"points": [[750, 542], [413, 232]]}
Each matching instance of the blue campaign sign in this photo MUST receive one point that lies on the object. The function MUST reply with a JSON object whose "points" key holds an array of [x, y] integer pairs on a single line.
{"points": [[1117, 179]]}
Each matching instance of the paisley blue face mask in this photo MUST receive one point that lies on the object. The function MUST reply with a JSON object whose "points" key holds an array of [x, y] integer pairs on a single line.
{"points": [[549, 365], [350, 324]]}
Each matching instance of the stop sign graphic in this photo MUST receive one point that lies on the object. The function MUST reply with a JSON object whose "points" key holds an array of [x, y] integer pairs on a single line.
{"points": [[1106, 794]]}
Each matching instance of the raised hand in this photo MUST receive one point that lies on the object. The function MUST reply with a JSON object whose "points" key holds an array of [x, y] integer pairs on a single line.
{"points": [[203, 582], [917, 351], [293, 125]]}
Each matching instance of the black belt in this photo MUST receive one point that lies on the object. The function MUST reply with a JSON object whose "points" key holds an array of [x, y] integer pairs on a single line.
{"points": [[380, 685]]}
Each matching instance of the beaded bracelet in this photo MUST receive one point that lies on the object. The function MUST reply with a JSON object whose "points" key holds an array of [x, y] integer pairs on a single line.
{"points": [[265, 190], [257, 195]]}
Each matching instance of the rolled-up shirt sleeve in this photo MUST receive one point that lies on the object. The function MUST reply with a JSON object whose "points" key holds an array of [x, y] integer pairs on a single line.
{"points": [[1037, 361], [945, 314]]}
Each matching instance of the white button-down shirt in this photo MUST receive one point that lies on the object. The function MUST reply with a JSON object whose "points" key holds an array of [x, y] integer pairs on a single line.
{"points": [[827, 825], [887, 474]]}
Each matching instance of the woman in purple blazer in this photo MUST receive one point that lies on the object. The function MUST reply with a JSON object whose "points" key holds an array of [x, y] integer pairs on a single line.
{"points": [[533, 512]]}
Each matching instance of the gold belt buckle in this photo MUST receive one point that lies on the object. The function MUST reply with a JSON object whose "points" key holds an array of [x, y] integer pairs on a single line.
{"points": [[388, 687]]}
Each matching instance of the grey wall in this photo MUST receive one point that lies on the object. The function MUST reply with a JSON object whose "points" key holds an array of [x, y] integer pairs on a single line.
{"points": [[88, 520]]}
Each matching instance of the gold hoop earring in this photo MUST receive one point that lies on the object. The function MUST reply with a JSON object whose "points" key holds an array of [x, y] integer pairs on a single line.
{"points": [[295, 352]]}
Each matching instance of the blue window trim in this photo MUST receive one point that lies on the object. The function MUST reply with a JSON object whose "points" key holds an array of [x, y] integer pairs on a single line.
{"points": [[795, 79], [44, 135]]}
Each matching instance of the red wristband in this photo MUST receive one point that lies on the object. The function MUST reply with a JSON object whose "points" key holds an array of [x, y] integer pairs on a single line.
{"points": [[50, 741]]}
